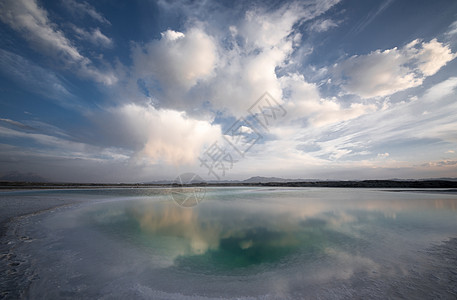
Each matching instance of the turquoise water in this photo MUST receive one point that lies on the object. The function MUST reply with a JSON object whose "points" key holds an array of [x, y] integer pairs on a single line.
{"points": [[243, 243]]}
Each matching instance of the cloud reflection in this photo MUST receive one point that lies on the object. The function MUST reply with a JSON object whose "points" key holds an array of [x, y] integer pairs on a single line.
{"points": [[254, 228]]}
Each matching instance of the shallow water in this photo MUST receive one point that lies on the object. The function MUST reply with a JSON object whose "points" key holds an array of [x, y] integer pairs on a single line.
{"points": [[242, 243]]}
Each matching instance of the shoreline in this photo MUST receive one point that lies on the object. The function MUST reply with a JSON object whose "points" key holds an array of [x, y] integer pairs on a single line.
{"points": [[14, 208], [407, 184], [427, 191]]}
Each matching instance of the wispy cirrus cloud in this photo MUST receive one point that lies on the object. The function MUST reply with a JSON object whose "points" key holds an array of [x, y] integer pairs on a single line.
{"points": [[26, 17], [398, 130], [94, 36], [15, 124], [58, 143], [35, 79], [371, 17], [323, 25], [452, 29], [83, 8], [33, 23]]}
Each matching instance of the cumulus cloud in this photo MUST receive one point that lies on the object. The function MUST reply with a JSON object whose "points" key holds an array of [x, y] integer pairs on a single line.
{"points": [[381, 73], [178, 61], [263, 30], [304, 101], [260, 44], [32, 22], [164, 136], [155, 139], [226, 70], [431, 57], [171, 35], [242, 78]]}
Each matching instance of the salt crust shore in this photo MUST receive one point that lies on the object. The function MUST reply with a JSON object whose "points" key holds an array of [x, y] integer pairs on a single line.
{"points": [[13, 208]]}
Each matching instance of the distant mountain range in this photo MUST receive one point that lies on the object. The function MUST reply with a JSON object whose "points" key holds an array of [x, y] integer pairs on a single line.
{"points": [[22, 179], [254, 179], [263, 180], [260, 179]]}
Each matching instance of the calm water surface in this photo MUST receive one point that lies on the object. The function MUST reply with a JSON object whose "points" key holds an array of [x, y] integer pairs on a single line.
{"points": [[244, 243]]}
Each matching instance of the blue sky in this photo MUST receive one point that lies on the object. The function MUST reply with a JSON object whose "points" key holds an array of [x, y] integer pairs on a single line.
{"points": [[136, 91]]}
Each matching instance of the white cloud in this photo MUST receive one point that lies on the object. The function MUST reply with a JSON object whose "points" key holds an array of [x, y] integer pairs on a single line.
{"points": [[245, 129], [381, 73], [178, 60], [26, 17], [93, 164], [323, 25], [15, 124], [242, 78], [166, 136], [230, 68], [95, 37], [432, 57], [259, 45], [172, 35], [206, 68], [260, 29], [82, 8], [305, 102], [452, 29], [50, 143], [383, 155], [402, 127], [441, 163], [32, 22], [441, 90]]}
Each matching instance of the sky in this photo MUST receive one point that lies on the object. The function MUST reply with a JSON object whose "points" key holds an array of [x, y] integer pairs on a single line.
{"points": [[136, 91]]}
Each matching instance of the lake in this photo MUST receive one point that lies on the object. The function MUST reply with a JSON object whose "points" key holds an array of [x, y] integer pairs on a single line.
{"points": [[238, 243]]}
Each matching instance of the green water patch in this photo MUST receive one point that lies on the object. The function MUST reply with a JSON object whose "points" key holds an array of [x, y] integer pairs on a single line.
{"points": [[260, 249], [254, 247]]}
